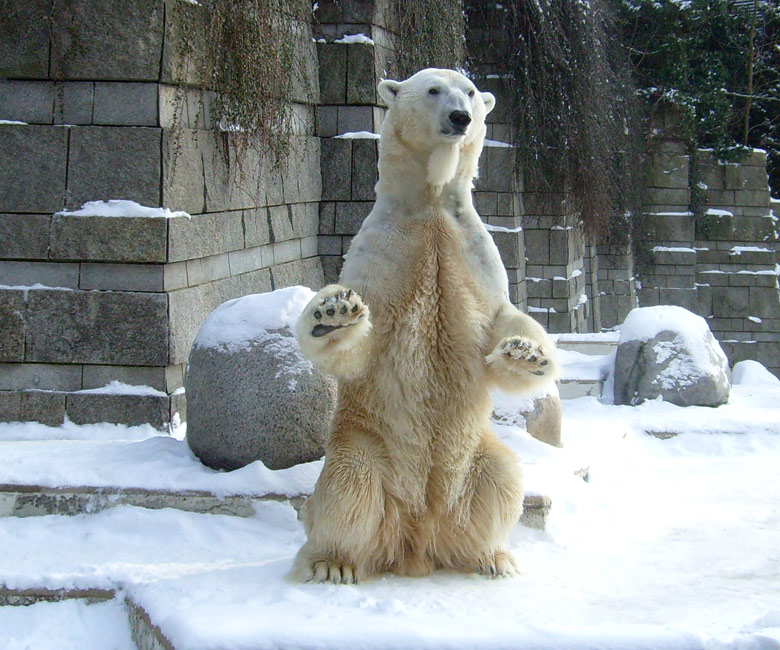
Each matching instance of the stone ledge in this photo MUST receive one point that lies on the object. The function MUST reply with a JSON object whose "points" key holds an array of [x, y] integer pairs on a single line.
{"points": [[31, 595]]}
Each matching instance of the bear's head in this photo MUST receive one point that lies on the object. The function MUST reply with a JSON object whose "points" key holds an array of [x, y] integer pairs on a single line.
{"points": [[441, 114]]}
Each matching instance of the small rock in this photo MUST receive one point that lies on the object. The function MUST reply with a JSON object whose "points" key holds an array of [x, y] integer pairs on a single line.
{"points": [[540, 413]]}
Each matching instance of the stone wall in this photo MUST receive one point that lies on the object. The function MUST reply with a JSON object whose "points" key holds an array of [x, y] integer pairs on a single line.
{"points": [[99, 102], [105, 107], [722, 262]]}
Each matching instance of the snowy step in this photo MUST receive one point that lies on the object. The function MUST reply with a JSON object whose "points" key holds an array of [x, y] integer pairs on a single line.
{"points": [[36, 501], [593, 344], [574, 388]]}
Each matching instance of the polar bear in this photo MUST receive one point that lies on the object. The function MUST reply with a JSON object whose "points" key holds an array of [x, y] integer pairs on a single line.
{"points": [[418, 330]]}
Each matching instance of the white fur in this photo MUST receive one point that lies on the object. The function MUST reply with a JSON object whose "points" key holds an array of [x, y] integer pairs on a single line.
{"points": [[414, 479]]}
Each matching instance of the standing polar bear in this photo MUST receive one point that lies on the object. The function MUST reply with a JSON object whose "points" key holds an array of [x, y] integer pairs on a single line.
{"points": [[417, 332]]}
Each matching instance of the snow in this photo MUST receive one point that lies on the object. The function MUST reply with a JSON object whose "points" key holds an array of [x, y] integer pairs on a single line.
{"points": [[352, 39], [122, 208], [120, 388], [358, 135], [716, 212], [671, 543], [236, 324], [68, 624]]}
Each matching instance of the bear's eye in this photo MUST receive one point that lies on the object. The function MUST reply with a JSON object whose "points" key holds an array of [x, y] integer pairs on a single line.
{"points": [[471, 93], [433, 91]]}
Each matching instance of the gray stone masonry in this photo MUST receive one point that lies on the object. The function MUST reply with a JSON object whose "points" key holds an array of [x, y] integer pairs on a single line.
{"points": [[98, 115], [721, 264]]}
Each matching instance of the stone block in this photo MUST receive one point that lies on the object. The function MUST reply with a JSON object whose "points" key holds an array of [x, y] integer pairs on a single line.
{"points": [[114, 163], [98, 376], [280, 223], [287, 251], [35, 182], [184, 51], [361, 84], [497, 169], [32, 406], [73, 102], [204, 235], [326, 121], [764, 302], [13, 308], [731, 302], [202, 270], [364, 169], [352, 119], [97, 327], [130, 409], [537, 247], [742, 177], [671, 227], [109, 239], [327, 218], [663, 255], [245, 260], [235, 178], [333, 72], [183, 170], [122, 277], [174, 276], [304, 218], [669, 171], [336, 157], [256, 227], [50, 274], [350, 216], [125, 104], [24, 236], [27, 101], [673, 198], [40, 376], [307, 273], [107, 40], [754, 229], [679, 297], [508, 244], [715, 227], [24, 39], [752, 198]]}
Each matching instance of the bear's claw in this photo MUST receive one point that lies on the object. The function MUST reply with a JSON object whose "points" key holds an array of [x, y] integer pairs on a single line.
{"points": [[335, 572], [501, 564]]}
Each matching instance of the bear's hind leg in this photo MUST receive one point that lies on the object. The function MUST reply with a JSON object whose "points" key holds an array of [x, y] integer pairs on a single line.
{"points": [[474, 539], [345, 515]]}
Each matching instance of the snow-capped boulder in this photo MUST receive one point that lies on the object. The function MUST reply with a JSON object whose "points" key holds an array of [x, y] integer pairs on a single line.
{"points": [[250, 394], [540, 412], [669, 352]]}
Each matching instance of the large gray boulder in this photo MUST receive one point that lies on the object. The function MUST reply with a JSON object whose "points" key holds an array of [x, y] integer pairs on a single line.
{"points": [[669, 352], [250, 394]]}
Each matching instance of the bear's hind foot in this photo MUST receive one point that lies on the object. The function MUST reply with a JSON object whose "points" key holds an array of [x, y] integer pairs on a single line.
{"points": [[501, 564]]}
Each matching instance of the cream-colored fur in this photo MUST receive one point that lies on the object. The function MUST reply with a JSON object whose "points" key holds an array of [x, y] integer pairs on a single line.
{"points": [[417, 332]]}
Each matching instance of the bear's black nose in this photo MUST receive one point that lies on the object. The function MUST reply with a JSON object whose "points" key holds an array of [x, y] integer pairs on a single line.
{"points": [[461, 119]]}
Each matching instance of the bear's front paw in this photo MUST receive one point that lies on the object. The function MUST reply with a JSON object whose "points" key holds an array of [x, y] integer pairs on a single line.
{"points": [[330, 313], [520, 353]]}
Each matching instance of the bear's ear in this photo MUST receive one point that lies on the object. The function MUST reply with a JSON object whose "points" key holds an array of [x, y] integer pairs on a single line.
{"points": [[388, 90], [490, 101]]}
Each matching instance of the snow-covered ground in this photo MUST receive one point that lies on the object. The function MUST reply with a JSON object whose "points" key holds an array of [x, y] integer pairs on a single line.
{"points": [[673, 542]]}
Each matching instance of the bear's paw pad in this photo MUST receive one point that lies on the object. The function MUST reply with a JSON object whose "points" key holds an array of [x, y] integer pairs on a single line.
{"points": [[334, 312], [338, 573], [521, 353]]}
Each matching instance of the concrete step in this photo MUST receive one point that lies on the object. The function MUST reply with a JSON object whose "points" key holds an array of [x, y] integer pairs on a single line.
{"points": [[574, 388]]}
